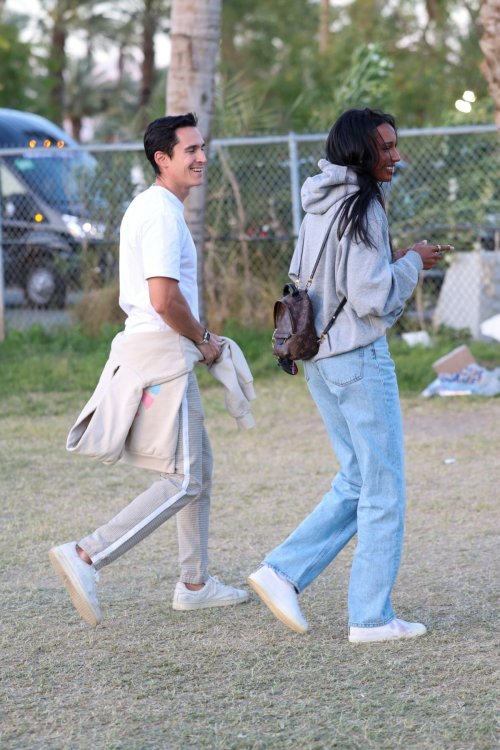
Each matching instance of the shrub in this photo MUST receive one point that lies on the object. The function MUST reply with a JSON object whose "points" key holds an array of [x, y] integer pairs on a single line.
{"points": [[99, 307]]}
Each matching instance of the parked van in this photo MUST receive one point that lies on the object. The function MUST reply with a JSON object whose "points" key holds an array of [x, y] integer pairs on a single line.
{"points": [[41, 207]]}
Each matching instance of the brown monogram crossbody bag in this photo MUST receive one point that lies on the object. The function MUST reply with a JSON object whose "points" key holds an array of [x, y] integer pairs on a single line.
{"points": [[294, 334]]}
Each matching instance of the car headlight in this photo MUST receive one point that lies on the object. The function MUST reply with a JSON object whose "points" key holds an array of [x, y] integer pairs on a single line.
{"points": [[82, 228], [74, 226]]}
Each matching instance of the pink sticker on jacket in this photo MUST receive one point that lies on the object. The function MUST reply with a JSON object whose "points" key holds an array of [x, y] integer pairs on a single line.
{"points": [[147, 400]]}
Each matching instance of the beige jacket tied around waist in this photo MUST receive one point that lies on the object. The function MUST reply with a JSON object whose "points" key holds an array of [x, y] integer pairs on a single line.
{"points": [[133, 414]]}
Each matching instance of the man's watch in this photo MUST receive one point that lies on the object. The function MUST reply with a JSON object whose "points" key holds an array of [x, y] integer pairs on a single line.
{"points": [[206, 338]]}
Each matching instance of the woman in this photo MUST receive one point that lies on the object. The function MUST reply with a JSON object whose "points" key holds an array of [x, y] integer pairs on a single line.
{"points": [[352, 381]]}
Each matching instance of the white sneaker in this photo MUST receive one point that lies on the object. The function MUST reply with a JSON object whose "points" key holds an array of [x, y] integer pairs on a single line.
{"points": [[392, 631], [79, 578], [280, 596], [213, 594]]}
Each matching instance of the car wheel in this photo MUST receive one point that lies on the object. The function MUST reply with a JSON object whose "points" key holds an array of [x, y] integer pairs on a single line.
{"points": [[44, 286]]}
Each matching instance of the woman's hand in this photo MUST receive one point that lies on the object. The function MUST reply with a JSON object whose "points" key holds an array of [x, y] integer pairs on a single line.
{"points": [[430, 254]]}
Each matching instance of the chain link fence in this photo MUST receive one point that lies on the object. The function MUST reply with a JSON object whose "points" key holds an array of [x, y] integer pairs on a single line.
{"points": [[61, 209]]}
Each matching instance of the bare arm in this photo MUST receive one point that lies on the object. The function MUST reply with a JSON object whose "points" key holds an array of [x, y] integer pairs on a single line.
{"points": [[171, 305]]}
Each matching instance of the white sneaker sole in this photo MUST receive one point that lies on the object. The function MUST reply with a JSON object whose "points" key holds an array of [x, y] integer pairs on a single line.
{"points": [[379, 638], [187, 606], [287, 619], [77, 593]]}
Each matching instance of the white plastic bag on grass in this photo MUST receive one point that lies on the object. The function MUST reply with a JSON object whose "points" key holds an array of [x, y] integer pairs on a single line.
{"points": [[473, 380]]}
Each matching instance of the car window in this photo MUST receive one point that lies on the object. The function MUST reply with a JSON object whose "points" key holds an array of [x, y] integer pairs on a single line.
{"points": [[59, 178], [10, 184]]}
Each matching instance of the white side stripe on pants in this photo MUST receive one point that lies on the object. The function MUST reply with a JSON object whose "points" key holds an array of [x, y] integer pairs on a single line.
{"points": [[185, 482]]}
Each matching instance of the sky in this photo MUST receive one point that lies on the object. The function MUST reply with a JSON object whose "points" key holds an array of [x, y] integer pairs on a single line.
{"points": [[106, 60]]}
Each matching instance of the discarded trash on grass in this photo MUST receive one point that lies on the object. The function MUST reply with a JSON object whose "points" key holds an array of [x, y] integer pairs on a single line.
{"points": [[473, 380], [491, 327], [454, 361], [413, 338], [450, 460]]}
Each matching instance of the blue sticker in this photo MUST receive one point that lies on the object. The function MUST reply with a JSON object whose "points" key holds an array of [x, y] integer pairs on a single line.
{"points": [[155, 389]]}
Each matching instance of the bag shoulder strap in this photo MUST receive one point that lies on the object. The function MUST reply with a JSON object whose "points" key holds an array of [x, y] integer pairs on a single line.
{"points": [[323, 245], [301, 252], [309, 281], [332, 320]]}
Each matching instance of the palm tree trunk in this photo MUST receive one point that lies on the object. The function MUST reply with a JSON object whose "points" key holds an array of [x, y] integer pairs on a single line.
{"points": [[121, 64], [490, 45], [432, 9], [324, 17], [195, 35], [148, 51], [57, 66], [76, 127]]}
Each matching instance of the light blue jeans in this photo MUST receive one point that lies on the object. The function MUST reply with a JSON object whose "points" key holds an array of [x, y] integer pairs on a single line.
{"points": [[357, 396]]}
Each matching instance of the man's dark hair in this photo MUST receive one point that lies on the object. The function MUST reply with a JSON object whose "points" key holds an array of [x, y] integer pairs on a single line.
{"points": [[352, 143], [161, 135]]}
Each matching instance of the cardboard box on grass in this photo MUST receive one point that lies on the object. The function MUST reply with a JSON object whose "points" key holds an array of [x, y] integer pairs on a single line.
{"points": [[454, 361]]}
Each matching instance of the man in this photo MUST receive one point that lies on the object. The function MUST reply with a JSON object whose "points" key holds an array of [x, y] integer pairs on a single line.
{"points": [[158, 291]]}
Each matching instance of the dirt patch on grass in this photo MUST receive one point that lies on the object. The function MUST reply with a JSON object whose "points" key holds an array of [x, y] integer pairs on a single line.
{"points": [[459, 417], [150, 677]]}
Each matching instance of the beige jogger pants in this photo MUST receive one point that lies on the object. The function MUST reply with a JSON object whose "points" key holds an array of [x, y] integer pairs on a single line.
{"points": [[185, 493]]}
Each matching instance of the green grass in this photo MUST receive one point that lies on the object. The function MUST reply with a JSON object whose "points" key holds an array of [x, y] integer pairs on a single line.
{"points": [[36, 362], [149, 678], [39, 362]]}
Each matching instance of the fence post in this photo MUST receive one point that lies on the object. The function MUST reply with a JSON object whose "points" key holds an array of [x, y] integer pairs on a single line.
{"points": [[2, 284], [295, 182]]}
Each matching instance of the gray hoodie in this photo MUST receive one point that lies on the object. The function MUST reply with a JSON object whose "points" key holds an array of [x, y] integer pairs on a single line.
{"points": [[375, 286]]}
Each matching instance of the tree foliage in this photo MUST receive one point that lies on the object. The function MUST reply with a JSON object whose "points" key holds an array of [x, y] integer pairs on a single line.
{"points": [[432, 45], [283, 64], [14, 63]]}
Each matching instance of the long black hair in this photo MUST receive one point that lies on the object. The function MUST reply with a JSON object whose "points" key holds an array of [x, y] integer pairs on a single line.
{"points": [[352, 143]]}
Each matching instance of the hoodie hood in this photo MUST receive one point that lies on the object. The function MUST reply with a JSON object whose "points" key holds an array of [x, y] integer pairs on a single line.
{"points": [[333, 183]]}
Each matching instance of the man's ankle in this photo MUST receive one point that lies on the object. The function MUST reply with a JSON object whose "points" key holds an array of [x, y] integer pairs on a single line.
{"points": [[194, 586], [83, 555]]}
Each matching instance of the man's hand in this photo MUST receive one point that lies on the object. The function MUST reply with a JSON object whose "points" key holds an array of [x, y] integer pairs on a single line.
{"points": [[169, 302], [210, 350]]}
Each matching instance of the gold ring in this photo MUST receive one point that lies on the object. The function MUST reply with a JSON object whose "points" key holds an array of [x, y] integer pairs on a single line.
{"points": [[438, 248]]}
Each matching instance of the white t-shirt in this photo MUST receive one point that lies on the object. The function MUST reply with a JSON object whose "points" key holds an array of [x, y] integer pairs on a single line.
{"points": [[154, 241]]}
